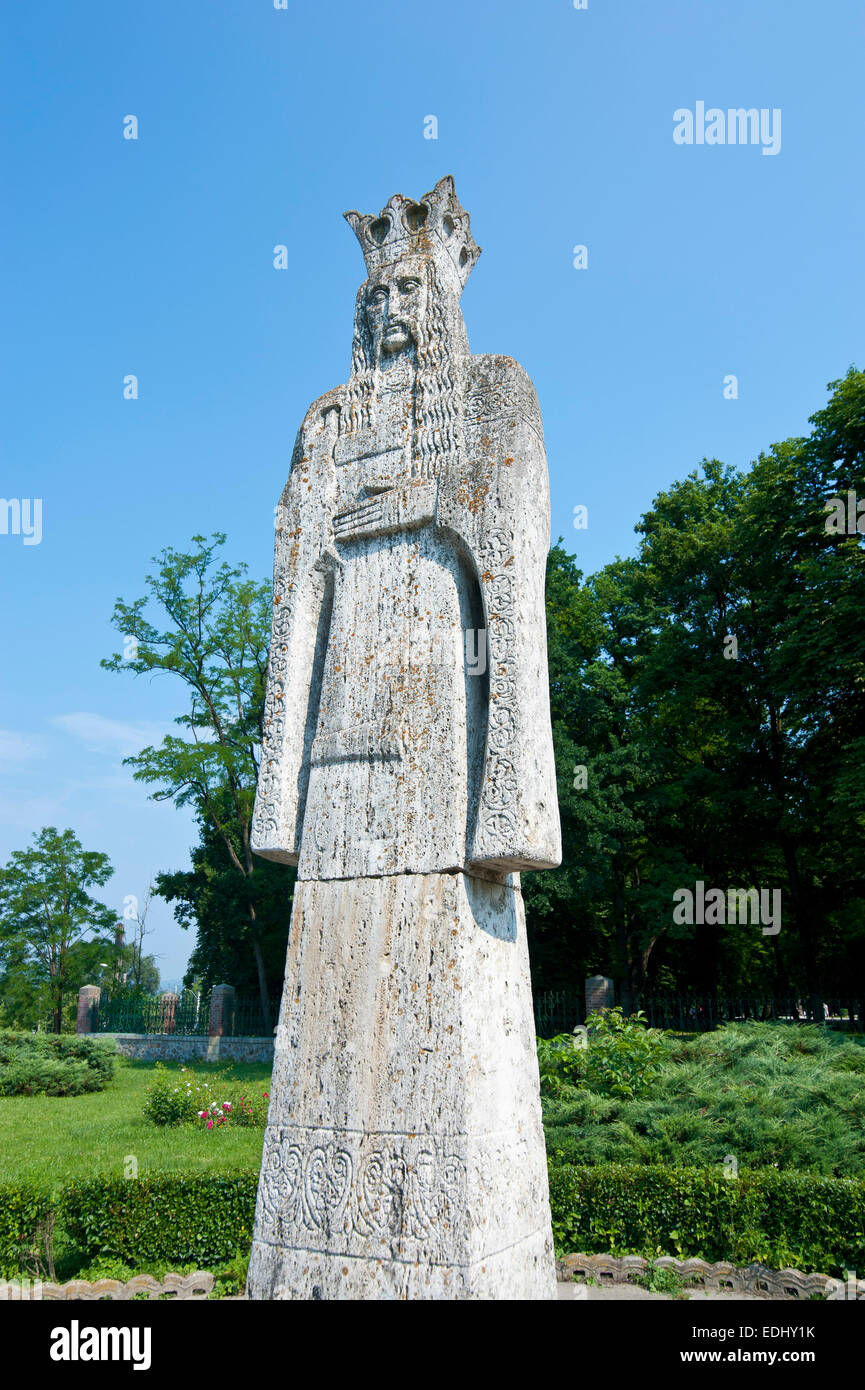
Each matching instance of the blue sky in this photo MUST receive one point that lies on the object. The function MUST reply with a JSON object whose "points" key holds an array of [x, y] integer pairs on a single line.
{"points": [[259, 126]]}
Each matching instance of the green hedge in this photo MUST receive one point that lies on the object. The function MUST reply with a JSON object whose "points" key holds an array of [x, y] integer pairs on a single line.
{"points": [[23, 1212], [774, 1218], [779, 1219], [163, 1219], [53, 1064]]}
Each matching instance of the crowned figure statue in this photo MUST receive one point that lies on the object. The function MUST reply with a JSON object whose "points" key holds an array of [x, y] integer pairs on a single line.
{"points": [[407, 770]]}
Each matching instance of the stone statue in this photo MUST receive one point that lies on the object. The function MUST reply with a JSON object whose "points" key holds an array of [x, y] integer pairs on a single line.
{"points": [[407, 770]]}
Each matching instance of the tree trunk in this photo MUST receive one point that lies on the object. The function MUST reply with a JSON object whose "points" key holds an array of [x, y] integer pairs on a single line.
{"points": [[624, 983], [802, 907], [262, 974], [803, 912]]}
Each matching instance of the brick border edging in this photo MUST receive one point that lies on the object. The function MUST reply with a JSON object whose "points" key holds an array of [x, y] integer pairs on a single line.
{"points": [[722, 1277], [175, 1286]]}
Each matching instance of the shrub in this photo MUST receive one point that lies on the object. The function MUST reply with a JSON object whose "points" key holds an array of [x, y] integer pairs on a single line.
{"points": [[617, 1056], [242, 1111], [176, 1221], [561, 1063], [624, 1054], [231, 1277], [167, 1103], [777, 1219], [166, 1219], [53, 1064], [774, 1095], [176, 1098], [251, 1111], [183, 1098], [24, 1212]]}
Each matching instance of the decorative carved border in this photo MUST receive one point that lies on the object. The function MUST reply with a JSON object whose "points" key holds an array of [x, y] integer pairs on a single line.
{"points": [[756, 1280], [173, 1286], [333, 1188]]}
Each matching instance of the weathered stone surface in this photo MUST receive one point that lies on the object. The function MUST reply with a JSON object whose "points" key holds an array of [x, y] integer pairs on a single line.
{"points": [[407, 1130], [407, 769], [600, 994]]}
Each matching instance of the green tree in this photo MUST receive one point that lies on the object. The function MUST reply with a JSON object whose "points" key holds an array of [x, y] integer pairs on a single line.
{"points": [[760, 750], [215, 642], [712, 690], [46, 909], [214, 898], [117, 969], [575, 915], [25, 998]]}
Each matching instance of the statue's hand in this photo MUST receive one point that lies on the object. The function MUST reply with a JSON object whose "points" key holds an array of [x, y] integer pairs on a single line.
{"points": [[401, 508]]}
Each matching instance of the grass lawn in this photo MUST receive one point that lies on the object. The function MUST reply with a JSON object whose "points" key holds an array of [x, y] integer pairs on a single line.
{"points": [[55, 1138]]}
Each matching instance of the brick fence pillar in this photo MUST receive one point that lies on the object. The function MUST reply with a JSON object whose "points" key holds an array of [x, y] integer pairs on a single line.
{"points": [[222, 1011], [88, 1005], [169, 1011], [599, 994]]}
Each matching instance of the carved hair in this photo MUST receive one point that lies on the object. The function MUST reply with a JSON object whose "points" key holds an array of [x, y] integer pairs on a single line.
{"points": [[438, 431]]}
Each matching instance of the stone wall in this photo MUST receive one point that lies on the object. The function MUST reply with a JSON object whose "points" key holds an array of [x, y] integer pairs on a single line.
{"points": [[169, 1047]]}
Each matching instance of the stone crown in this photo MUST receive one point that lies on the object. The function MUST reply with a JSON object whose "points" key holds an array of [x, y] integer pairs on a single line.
{"points": [[437, 226]]}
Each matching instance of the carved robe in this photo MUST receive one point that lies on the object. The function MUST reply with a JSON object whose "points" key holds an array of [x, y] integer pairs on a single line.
{"points": [[407, 717]]}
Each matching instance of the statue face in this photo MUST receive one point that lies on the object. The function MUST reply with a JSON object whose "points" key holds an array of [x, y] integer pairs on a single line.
{"points": [[395, 305]]}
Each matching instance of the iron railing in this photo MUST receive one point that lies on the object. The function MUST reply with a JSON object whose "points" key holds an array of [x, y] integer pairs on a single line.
{"points": [[562, 1011], [559, 1011], [248, 1021], [186, 1015], [693, 1013]]}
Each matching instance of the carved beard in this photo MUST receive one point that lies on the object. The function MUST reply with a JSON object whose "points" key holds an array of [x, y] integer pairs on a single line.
{"points": [[438, 385]]}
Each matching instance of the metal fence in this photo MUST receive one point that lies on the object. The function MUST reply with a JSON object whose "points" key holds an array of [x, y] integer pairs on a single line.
{"points": [[556, 1011], [186, 1014], [559, 1011], [249, 1019], [562, 1011], [702, 1013]]}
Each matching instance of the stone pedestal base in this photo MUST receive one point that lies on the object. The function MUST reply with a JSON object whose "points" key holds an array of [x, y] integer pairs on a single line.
{"points": [[404, 1155]]}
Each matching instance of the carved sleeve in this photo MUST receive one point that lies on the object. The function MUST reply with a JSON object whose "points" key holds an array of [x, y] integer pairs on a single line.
{"points": [[301, 579], [498, 506]]}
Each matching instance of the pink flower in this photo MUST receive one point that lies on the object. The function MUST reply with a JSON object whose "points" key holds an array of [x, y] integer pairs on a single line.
{"points": [[226, 1105], [210, 1124]]}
